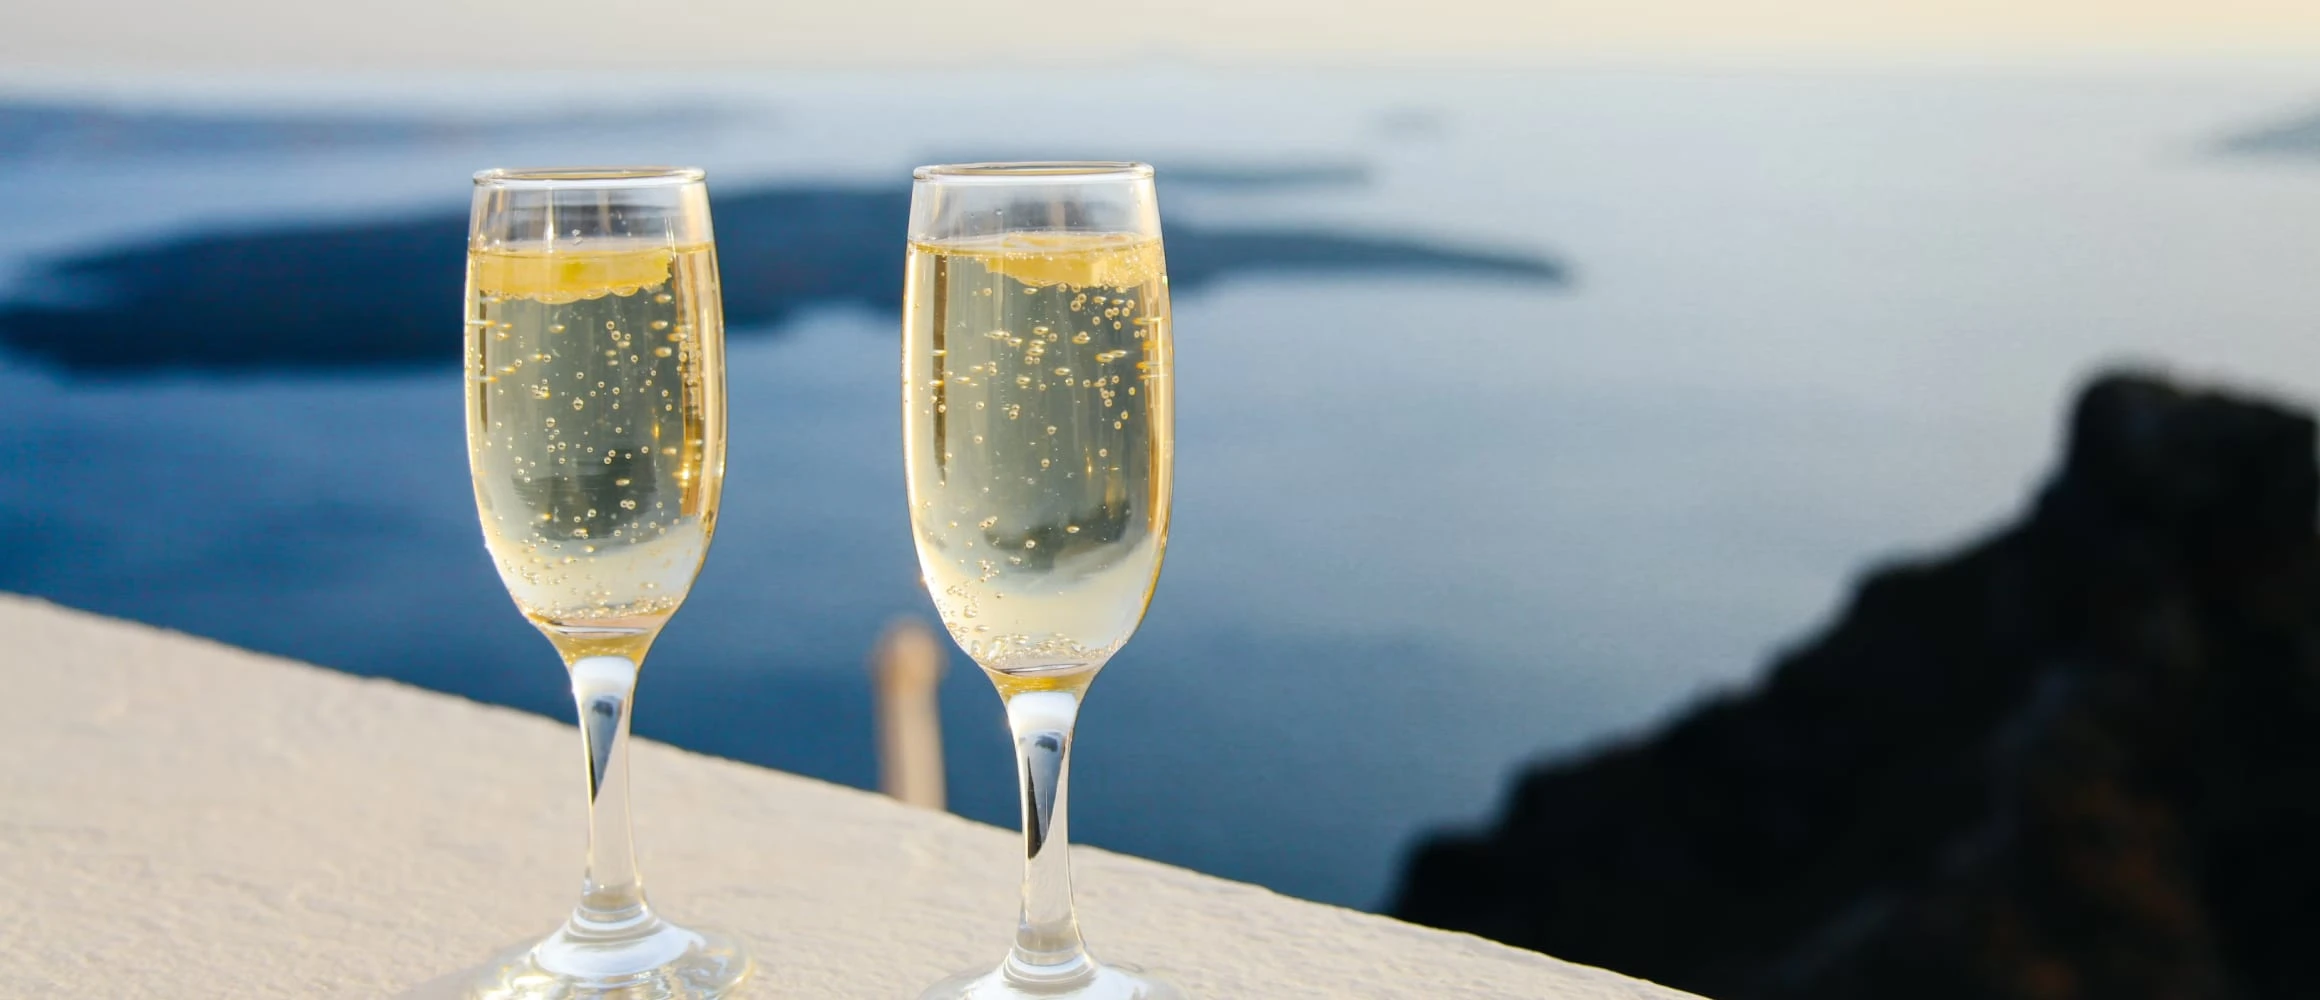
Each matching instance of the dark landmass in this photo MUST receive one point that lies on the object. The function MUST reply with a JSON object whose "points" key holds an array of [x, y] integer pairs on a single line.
{"points": [[1199, 173], [345, 297], [2300, 137], [68, 131], [1262, 177], [2079, 760]]}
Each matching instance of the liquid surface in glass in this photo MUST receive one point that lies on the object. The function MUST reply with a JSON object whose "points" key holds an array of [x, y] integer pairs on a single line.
{"points": [[1037, 403], [595, 432]]}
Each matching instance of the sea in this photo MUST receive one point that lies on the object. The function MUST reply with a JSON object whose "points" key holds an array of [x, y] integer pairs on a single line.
{"points": [[1519, 409]]}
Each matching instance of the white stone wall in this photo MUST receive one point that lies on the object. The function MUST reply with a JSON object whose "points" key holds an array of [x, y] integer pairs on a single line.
{"points": [[182, 819]]}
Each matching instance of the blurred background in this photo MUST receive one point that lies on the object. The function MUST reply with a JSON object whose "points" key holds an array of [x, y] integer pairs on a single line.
{"points": [[1546, 371]]}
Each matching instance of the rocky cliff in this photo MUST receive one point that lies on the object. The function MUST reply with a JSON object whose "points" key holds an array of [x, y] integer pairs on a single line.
{"points": [[2080, 759]]}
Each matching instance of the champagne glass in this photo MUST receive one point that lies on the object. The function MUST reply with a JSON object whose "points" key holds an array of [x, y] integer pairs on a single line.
{"points": [[596, 436], [1038, 434]]}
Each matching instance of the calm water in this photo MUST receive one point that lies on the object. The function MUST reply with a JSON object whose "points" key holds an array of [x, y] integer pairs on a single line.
{"points": [[1518, 411]]}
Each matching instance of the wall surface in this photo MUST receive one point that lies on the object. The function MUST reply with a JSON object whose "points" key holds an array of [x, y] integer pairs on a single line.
{"points": [[184, 819]]}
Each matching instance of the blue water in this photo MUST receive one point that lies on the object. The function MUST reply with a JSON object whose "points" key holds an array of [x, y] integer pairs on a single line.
{"points": [[1518, 410]]}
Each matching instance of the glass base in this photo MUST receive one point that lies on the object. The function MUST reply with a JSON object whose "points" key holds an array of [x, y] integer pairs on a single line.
{"points": [[1100, 982], [650, 960]]}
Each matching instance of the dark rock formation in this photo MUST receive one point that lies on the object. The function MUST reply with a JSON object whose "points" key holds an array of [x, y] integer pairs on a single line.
{"points": [[2077, 761]]}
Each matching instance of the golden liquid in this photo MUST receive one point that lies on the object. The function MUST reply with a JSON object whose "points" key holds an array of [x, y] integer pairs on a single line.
{"points": [[1039, 435], [596, 433]]}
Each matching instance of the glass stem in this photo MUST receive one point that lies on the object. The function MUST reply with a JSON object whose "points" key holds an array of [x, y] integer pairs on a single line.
{"points": [[611, 893], [1048, 948]]}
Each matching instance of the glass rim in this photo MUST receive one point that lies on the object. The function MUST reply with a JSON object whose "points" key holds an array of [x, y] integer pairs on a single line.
{"points": [[587, 177], [1034, 172]]}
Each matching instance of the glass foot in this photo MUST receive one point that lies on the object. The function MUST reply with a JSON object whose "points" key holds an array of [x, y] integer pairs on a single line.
{"points": [[1098, 982], [650, 960]]}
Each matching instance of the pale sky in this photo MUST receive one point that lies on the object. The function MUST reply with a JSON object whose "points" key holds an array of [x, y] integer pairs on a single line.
{"points": [[83, 36]]}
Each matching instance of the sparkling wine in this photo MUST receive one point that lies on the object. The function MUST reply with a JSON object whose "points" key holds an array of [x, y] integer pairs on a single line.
{"points": [[596, 432], [1037, 404]]}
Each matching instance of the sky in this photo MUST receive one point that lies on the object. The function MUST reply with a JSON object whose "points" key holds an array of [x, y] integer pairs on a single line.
{"points": [[102, 36]]}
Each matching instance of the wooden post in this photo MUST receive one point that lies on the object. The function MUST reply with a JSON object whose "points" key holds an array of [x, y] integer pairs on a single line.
{"points": [[906, 667]]}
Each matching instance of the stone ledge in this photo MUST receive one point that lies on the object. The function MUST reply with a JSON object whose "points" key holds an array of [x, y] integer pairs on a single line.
{"points": [[186, 819]]}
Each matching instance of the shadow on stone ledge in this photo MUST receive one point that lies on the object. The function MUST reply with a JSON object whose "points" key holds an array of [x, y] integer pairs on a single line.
{"points": [[2079, 760]]}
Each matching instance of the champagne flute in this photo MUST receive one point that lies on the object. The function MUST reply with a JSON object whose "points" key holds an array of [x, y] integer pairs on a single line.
{"points": [[596, 436], [1037, 405]]}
